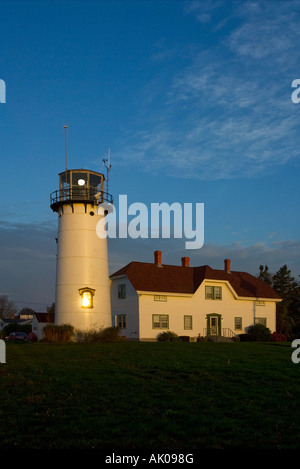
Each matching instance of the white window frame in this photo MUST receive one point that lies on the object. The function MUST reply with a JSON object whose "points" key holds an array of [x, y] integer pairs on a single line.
{"points": [[238, 319], [160, 298], [122, 321], [188, 322], [160, 321], [213, 292], [261, 320], [121, 291]]}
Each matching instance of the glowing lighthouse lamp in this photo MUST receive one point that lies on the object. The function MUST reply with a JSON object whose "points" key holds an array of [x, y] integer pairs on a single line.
{"points": [[86, 297], [82, 296]]}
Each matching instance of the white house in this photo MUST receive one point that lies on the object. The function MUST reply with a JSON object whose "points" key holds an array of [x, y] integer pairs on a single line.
{"points": [[39, 321], [149, 298]]}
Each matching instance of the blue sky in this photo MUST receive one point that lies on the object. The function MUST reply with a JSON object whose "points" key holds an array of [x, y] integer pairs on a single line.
{"points": [[193, 99]]}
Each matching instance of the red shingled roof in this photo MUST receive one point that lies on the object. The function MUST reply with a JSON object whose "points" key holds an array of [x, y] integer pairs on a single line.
{"points": [[177, 279], [45, 317]]}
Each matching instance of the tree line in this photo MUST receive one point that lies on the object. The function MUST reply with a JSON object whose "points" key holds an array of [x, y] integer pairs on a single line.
{"points": [[288, 310], [8, 309]]}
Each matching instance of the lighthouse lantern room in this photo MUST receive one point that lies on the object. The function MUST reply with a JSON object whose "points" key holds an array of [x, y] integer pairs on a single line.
{"points": [[82, 296]]}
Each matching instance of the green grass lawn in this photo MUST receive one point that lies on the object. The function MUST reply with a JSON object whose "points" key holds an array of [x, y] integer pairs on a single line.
{"points": [[152, 396]]}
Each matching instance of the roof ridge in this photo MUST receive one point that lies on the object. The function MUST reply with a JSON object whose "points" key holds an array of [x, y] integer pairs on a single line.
{"points": [[177, 278]]}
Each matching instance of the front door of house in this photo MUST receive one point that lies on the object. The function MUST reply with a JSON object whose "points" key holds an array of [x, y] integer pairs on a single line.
{"points": [[213, 325]]}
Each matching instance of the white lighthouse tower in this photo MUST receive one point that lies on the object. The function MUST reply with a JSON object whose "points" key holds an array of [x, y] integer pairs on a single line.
{"points": [[82, 296]]}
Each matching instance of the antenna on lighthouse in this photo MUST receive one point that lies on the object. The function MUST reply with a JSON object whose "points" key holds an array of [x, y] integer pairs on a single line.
{"points": [[65, 127], [108, 167]]}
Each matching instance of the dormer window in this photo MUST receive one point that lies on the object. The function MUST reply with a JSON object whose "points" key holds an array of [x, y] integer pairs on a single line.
{"points": [[213, 293]]}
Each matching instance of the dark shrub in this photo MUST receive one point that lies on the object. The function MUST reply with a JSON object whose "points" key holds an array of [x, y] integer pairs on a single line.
{"points": [[168, 336], [260, 333], [110, 334], [184, 338], [60, 334], [246, 338]]}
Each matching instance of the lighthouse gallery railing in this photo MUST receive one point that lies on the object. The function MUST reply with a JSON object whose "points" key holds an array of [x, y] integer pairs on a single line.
{"points": [[74, 194]]}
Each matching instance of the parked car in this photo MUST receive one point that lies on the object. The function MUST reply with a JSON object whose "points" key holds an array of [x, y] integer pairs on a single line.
{"points": [[18, 337]]}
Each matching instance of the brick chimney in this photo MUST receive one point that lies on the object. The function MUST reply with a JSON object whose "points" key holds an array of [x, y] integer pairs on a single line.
{"points": [[185, 261], [157, 258], [227, 265]]}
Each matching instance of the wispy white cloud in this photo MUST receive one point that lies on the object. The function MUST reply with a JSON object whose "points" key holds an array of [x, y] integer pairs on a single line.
{"points": [[228, 113], [250, 257], [244, 257], [270, 31], [203, 10]]}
